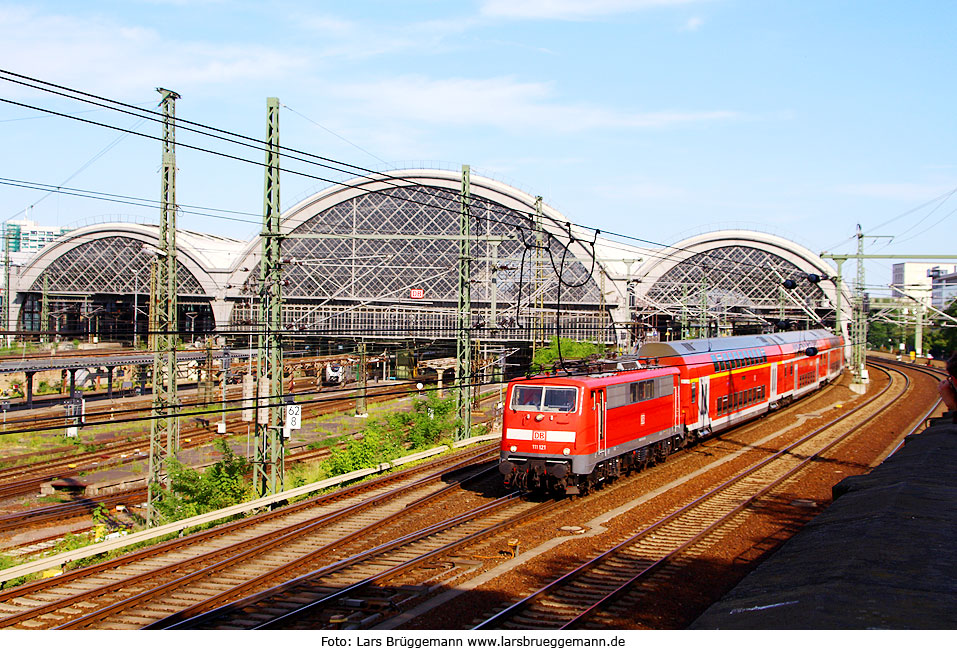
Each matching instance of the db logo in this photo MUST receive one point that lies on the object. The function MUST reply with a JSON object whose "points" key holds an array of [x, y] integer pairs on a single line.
{"points": [[538, 435], [416, 293]]}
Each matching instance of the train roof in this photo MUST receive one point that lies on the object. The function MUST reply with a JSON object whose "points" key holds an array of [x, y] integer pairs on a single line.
{"points": [[587, 379], [718, 344]]}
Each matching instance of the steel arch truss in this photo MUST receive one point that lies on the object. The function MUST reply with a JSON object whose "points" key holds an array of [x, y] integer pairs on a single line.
{"points": [[381, 246], [112, 265], [735, 281]]}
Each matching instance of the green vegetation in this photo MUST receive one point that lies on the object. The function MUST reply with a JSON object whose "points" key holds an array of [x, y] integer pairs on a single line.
{"points": [[396, 434], [940, 335], [548, 357], [19, 348], [192, 492], [43, 387], [385, 438], [72, 542], [6, 561]]}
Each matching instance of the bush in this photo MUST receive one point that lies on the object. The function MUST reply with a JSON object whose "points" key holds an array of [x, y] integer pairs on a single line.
{"points": [[395, 435], [192, 493], [571, 350]]}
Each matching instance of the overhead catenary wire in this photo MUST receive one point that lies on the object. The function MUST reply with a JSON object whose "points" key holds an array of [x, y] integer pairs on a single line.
{"points": [[274, 401], [339, 166], [261, 145]]}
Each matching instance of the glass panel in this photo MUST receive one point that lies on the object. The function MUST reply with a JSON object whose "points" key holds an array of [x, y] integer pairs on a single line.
{"points": [[556, 399], [526, 398], [560, 399]]}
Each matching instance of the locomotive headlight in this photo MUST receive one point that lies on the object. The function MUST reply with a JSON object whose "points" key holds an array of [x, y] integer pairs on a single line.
{"points": [[566, 451], [514, 449], [539, 417]]}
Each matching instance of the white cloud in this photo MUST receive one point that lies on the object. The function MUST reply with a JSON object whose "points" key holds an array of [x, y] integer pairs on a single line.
{"points": [[104, 56], [342, 39], [569, 9], [502, 103], [692, 24]]}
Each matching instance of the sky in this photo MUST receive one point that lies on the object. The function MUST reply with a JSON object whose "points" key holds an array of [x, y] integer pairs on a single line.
{"points": [[654, 119]]}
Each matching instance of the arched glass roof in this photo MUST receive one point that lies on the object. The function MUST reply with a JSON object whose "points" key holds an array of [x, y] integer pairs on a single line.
{"points": [[378, 246], [735, 275], [109, 265]]}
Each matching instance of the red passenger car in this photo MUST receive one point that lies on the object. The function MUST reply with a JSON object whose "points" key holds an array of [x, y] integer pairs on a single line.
{"points": [[569, 433]]}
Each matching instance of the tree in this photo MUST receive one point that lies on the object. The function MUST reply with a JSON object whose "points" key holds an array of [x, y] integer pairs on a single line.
{"points": [[941, 338], [548, 357]]}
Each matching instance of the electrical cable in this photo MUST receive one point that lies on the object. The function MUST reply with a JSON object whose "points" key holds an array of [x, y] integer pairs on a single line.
{"points": [[155, 116]]}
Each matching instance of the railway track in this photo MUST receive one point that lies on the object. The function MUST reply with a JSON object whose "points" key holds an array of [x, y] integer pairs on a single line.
{"points": [[27, 477], [156, 582], [83, 506], [372, 584], [601, 592], [369, 579]]}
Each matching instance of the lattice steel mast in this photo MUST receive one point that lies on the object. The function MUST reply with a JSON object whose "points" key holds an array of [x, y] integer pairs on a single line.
{"points": [[45, 310], [6, 283], [269, 465], [463, 344], [860, 316], [538, 331], [164, 429]]}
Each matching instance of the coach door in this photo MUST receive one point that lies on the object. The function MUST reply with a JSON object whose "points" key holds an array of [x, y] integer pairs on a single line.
{"points": [[704, 391], [601, 421], [774, 382]]}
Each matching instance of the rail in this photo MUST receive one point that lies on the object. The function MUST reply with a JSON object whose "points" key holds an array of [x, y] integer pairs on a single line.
{"points": [[653, 557], [57, 561]]}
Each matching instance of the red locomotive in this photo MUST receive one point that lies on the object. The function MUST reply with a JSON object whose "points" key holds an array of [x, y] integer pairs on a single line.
{"points": [[570, 433]]}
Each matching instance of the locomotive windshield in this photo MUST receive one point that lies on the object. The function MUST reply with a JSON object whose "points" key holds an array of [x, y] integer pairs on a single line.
{"points": [[528, 398]]}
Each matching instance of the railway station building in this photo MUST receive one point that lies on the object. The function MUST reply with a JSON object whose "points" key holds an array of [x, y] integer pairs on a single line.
{"points": [[378, 258]]}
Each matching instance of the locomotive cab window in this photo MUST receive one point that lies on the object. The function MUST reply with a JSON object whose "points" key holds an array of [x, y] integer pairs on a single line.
{"points": [[527, 398]]}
